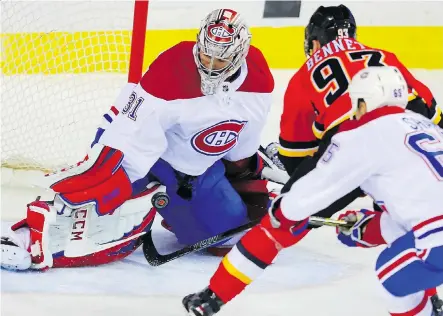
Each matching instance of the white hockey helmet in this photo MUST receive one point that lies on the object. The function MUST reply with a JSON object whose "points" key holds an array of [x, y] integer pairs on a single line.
{"points": [[378, 86], [223, 35]]}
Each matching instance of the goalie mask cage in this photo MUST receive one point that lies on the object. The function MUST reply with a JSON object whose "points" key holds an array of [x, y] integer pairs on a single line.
{"points": [[63, 63]]}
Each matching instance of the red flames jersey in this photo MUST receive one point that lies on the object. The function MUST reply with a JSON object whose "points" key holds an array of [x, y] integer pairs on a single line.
{"points": [[316, 98]]}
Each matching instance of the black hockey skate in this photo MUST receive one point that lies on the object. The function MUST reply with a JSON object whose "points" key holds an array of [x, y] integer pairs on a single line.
{"points": [[203, 303], [437, 305]]}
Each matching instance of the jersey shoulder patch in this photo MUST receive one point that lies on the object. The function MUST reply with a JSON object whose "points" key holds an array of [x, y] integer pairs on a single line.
{"points": [[173, 74]]}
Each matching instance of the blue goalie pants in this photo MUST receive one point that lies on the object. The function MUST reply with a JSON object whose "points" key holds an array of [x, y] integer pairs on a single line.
{"points": [[199, 207]]}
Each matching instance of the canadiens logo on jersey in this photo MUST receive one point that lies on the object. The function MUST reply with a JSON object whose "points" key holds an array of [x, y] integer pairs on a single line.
{"points": [[219, 138]]}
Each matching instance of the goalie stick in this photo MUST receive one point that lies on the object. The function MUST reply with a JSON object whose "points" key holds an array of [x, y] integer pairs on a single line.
{"points": [[154, 258]]}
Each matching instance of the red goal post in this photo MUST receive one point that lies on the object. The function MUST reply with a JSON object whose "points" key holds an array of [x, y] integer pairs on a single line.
{"points": [[62, 65], [138, 40]]}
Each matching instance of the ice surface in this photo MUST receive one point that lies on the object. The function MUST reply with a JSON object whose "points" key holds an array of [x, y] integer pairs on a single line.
{"points": [[318, 277]]}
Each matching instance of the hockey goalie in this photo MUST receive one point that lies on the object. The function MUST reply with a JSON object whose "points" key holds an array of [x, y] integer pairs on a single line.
{"points": [[183, 143]]}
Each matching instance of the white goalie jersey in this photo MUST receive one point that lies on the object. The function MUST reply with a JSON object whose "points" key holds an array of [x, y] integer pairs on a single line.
{"points": [[167, 116], [99, 215]]}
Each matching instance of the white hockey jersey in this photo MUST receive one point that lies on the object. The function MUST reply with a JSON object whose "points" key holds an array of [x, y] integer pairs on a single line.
{"points": [[167, 116], [396, 157]]}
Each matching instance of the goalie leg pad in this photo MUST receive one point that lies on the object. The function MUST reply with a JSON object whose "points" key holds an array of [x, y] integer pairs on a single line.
{"points": [[110, 252], [100, 163], [99, 179], [107, 196], [95, 240], [78, 237]]}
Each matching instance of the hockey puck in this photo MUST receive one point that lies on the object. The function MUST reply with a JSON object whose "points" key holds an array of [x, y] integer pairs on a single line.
{"points": [[160, 200]]}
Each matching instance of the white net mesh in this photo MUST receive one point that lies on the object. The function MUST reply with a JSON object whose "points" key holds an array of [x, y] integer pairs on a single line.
{"points": [[62, 65]]}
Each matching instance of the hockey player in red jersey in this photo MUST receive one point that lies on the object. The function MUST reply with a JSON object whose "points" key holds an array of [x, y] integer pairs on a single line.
{"points": [[191, 128], [394, 147], [316, 103], [316, 100]]}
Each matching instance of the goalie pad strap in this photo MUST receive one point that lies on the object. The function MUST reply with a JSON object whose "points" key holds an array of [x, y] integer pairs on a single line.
{"points": [[39, 218], [22, 223]]}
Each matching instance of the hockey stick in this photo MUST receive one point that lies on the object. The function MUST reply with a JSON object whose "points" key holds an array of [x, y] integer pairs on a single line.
{"points": [[154, 258], [321, 221]]}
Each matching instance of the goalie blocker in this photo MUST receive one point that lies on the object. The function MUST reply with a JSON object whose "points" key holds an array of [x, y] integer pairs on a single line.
{"points": [[93, 219]]}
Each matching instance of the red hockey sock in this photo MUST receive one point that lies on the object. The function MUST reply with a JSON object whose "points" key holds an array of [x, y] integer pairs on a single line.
{"points": [[255, 251]]}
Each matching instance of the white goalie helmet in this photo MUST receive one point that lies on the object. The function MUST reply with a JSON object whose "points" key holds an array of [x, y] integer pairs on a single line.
{"points": [[378, 86], [223, 37]]}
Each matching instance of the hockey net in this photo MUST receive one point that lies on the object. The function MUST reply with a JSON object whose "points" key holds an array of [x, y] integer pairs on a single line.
{"points": [[62, 65]]}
